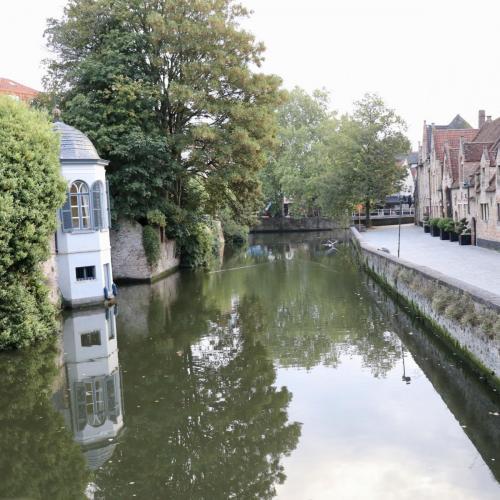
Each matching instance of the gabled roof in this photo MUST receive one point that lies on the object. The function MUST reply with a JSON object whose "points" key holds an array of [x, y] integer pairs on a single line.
{"points": [[458, 122], [452, 157], [452, 137], [474, 150], [489, 132]]}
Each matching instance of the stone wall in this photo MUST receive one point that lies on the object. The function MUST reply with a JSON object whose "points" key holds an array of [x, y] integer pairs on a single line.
{"points": [[289, 224], [49, 269], [468, 317], [129, 259]]}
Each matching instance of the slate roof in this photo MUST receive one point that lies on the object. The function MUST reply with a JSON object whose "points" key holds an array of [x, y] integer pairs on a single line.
{"points": [[413, 158], [75, 145]]}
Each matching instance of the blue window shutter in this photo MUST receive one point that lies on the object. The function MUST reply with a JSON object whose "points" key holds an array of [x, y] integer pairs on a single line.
{"points": [[66, 223], [108, 204]]}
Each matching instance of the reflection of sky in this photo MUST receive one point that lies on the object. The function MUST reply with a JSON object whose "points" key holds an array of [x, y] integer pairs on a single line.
{"points": [[377, 438]]}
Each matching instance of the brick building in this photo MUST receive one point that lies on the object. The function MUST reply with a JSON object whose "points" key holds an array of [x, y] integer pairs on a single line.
{"points": [[457, 176], [17, 90]]}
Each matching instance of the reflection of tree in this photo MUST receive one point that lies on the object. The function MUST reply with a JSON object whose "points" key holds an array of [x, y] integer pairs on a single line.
{"points": [[315, 307], [206, 426], [38, 458]]}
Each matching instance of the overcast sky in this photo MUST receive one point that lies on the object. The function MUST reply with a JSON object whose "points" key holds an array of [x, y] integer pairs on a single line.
{"points": [[429, 59]]}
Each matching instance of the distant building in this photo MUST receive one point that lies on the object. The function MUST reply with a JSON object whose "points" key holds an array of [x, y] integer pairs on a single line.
{"points": [[17, 90], [83, 251], [457, 176]]}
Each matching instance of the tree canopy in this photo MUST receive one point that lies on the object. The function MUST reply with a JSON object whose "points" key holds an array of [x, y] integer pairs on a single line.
{"points": [[330, 163], [166, 89]]}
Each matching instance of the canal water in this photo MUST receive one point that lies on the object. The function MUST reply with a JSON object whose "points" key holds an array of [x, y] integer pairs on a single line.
{"points": [[283, 373]]}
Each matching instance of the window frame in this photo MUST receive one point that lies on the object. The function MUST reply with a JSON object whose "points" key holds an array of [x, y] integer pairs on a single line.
{"points": [[87, 276]]}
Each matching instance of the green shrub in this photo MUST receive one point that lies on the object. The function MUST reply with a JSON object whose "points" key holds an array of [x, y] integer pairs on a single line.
{"points": [[31, 190], [434, 221], [199, 246], [151, 244], [445, 223], [234, 234]]}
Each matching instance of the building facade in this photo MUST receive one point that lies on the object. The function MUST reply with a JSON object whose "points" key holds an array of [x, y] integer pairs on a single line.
{"points": [[83, 251], [457, 176]]}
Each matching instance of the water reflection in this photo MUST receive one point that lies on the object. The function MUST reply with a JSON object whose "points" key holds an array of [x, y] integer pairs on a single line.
{"points": [[93, 404]]}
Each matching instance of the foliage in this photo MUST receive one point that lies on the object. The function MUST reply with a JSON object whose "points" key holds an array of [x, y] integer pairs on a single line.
{"points": [[199, 245], [31, 190], [446, 224], [364, 151], [235, 234], [167, 92], [39, 458], [305, 126], [151, 244], [155, 217], [462, 226], [434, 222]]}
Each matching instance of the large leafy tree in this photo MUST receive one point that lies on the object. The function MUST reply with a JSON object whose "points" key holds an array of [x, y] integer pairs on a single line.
{"points": [[305, 125], [166, 90], [364, 150]]}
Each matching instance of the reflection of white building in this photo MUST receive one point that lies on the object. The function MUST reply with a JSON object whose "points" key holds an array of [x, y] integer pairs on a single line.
{"points": [[82, 240], [95, 408]]}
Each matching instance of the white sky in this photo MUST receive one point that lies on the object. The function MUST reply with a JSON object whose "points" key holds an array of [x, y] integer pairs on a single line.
{"points": [[429, 59]]}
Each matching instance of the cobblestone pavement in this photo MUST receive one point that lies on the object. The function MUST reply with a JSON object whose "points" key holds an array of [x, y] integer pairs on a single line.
{"points": [[476, 266]]}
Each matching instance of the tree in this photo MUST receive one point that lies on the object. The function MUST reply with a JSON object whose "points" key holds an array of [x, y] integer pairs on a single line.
{"points": [[31, 190], [165, 90], [305, 124], [364, 152]]}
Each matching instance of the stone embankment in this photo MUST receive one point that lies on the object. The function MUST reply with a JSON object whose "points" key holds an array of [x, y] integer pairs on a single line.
{"points": [[467, 316], [129, 258], [290, 224]]}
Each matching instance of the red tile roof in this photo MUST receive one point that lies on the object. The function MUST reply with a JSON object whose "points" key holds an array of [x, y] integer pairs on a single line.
{"points": [[452, 137], [10, 87]]}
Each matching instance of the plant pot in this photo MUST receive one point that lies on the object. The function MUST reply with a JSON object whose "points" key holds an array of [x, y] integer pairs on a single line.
{"points": [[453, 236], [435, 231], [444, 235], [427, 228], [464, 239]]}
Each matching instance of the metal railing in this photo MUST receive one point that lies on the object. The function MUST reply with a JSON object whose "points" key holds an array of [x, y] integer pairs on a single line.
{"points": [[383, 213]]}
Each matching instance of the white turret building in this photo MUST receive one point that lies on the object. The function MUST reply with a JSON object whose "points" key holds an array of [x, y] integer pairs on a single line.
{"points": [[83, 250]]}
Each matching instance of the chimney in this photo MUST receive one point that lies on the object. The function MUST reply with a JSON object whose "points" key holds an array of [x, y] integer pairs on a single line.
{"points": [[488, 118], [481, 120]]}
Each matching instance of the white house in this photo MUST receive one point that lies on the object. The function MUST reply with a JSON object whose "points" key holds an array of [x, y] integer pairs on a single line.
{"points": [[95, 410], [83, 249]]}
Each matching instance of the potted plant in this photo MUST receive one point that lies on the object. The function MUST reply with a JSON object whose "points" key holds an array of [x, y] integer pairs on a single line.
{"points": [[434, 226], [445, 225], [464, 232], [454, 232], [425, 224]]}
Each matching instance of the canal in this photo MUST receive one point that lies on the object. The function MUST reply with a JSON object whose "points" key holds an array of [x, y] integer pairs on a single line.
{"points": [[285, 372]]}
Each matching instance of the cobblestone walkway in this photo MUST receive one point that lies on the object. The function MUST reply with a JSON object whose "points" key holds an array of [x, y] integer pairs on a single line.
{"points": [[476, 266]]}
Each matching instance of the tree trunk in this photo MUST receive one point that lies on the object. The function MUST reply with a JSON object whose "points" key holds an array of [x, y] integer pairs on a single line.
{"points": [[367, 213]]}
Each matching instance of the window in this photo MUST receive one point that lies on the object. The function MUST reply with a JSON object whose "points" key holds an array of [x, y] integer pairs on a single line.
{"points": [[97, 205], [85, 273], [485, 211], [85, 209], [89, 339], [498, 212]]}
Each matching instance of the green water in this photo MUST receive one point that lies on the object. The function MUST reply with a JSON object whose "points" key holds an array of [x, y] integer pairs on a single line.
{"points": [[284, 373]]}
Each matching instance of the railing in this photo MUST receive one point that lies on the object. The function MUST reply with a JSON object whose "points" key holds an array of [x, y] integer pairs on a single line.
{"points": [[384, 213]]}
